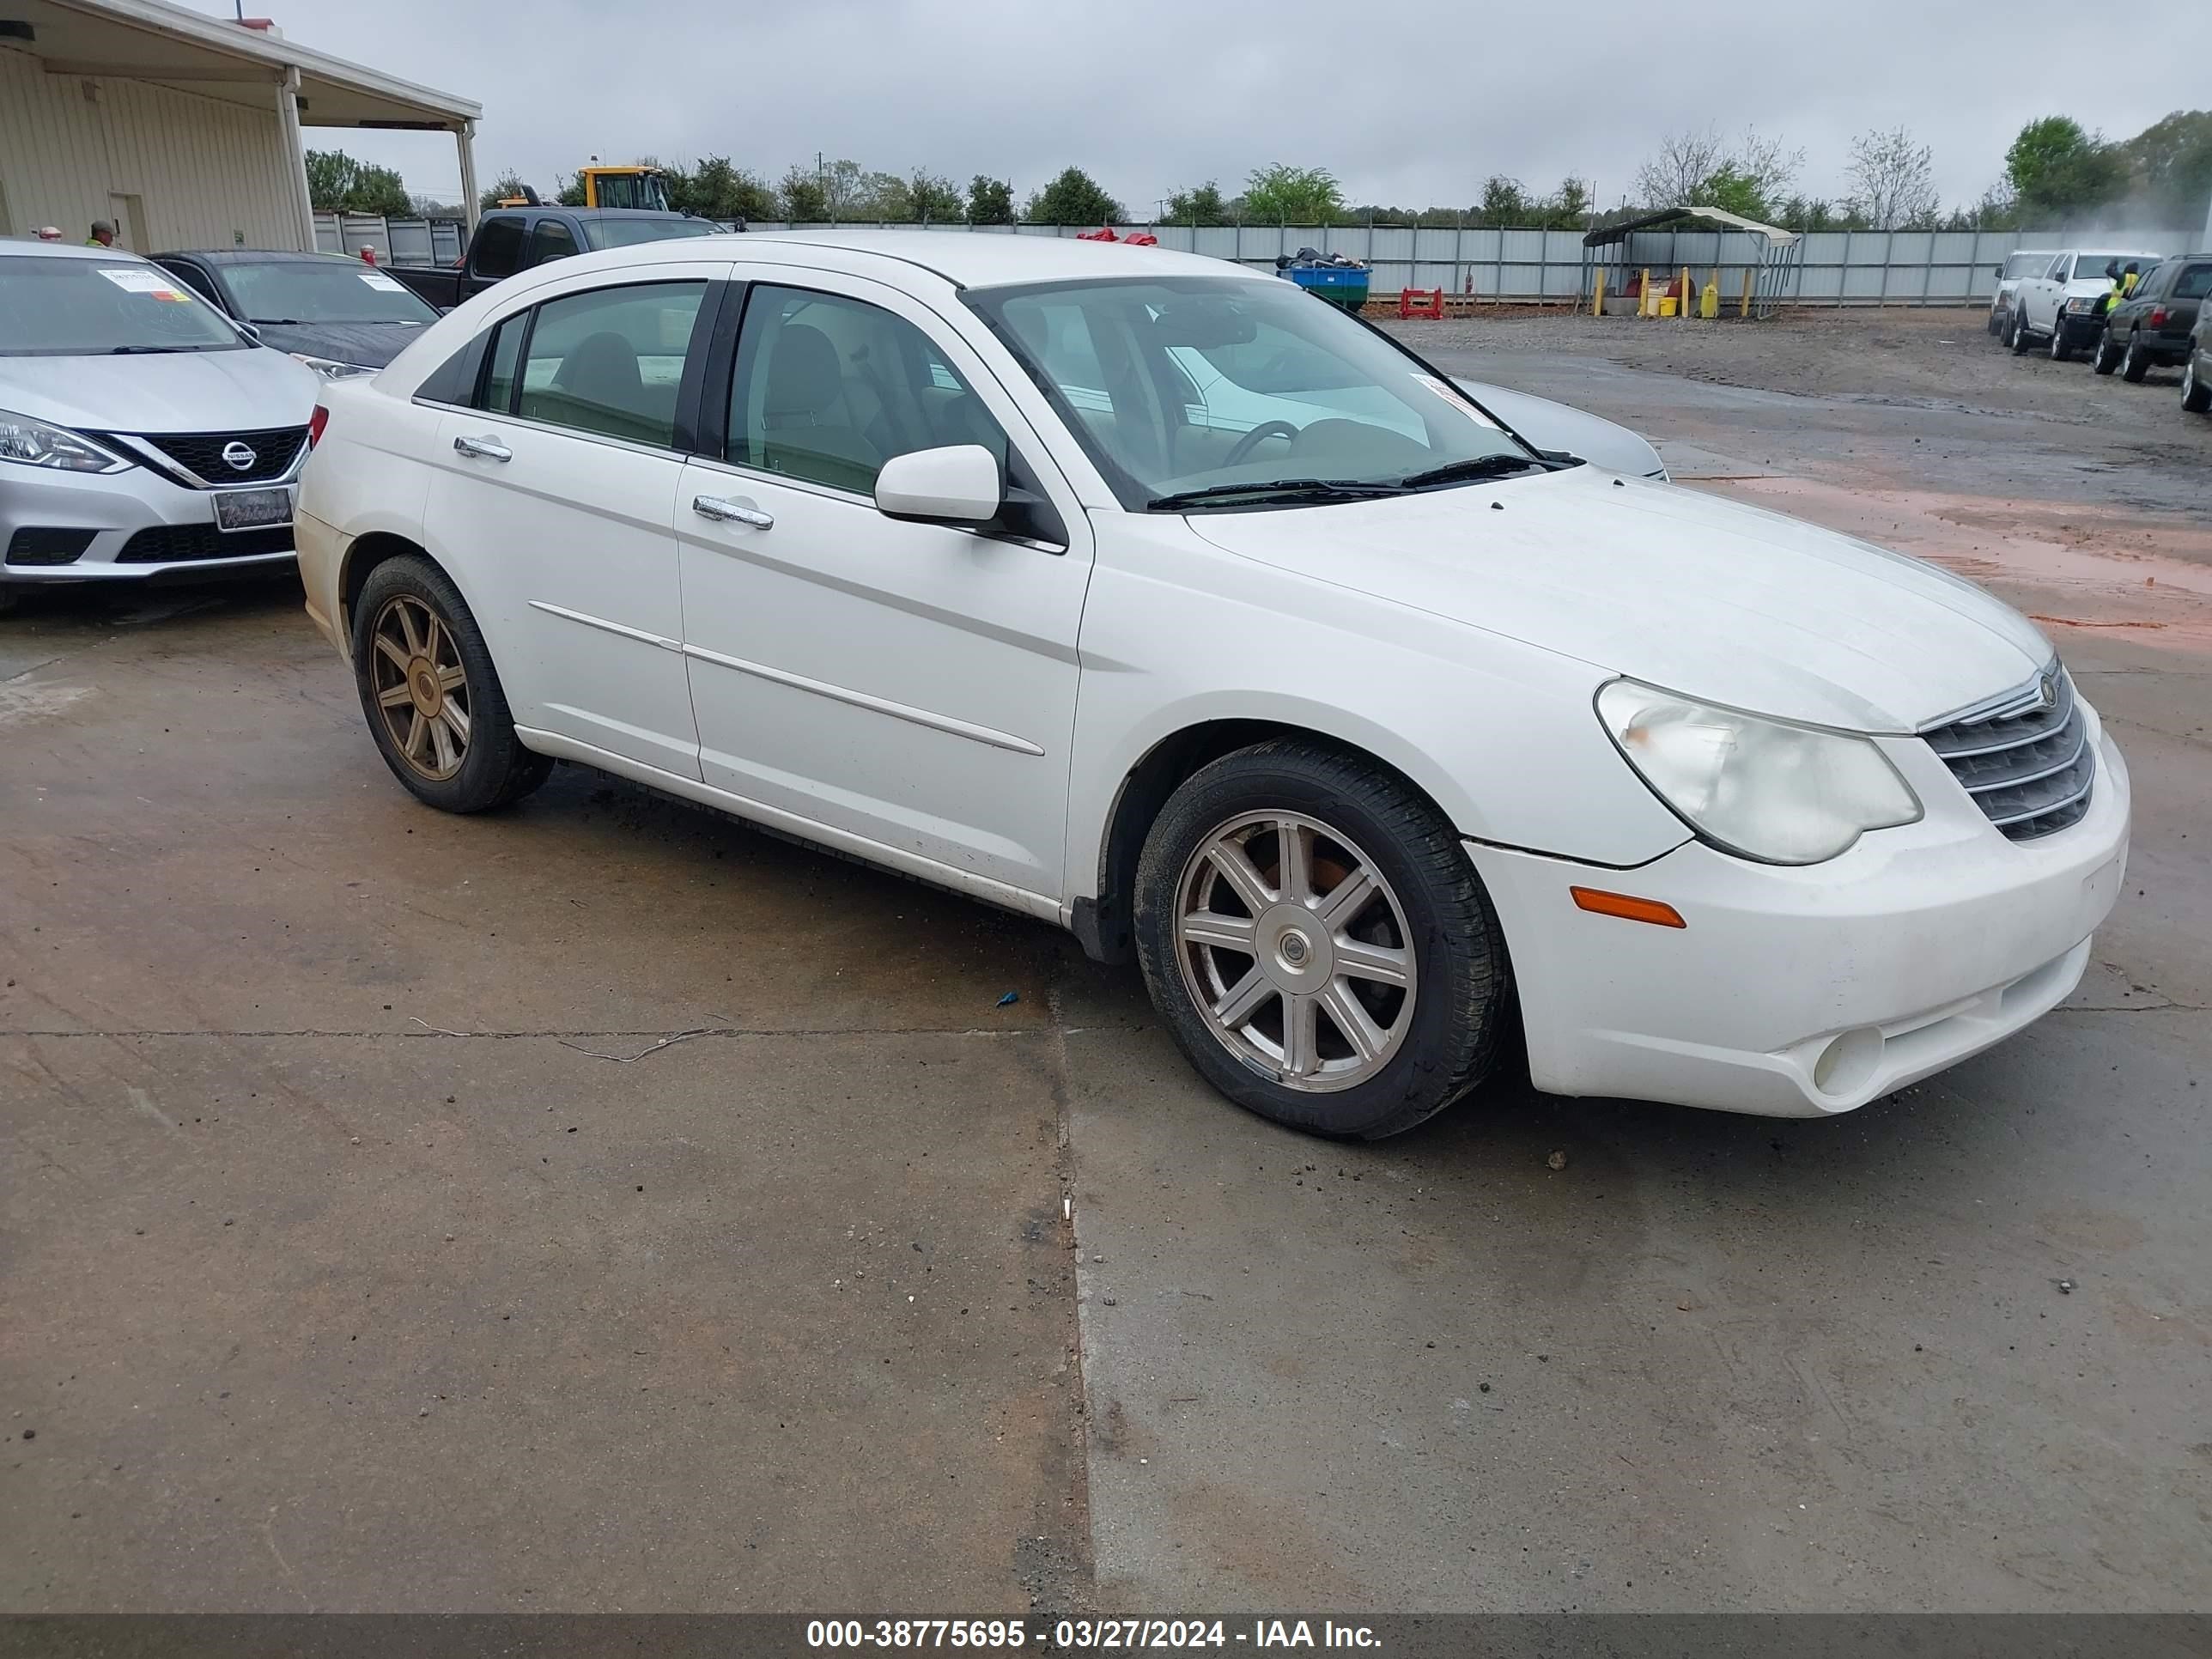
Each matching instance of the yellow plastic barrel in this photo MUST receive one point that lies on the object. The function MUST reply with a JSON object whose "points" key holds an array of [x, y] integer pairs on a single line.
{"points": [[1665, 305], [1708, 301]]}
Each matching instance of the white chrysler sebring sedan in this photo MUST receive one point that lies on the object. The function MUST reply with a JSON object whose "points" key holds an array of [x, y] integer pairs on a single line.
{"points": [[1149, 596]]}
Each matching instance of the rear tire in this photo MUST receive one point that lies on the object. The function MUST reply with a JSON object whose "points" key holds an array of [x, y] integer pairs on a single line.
{"points": [[2134, 361], [2018, 339], [1996, 323], [2196, 391], [2108, 359], [430, 694], [1369, 991]]}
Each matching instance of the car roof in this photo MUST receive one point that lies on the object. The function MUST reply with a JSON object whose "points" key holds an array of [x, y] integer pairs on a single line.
{"points": [[257, 256], [588, 213], [967, 258], [29, 245]]}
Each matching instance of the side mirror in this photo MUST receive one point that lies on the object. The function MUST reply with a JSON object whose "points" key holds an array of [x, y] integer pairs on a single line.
{"points": [[958, 484]]}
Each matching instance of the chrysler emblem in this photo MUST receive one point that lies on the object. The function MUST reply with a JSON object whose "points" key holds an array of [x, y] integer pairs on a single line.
{"points": [[240, 458]]}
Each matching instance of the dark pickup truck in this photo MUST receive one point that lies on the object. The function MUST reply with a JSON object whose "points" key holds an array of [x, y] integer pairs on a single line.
{"points": [[2150, 328], [509, 240]]}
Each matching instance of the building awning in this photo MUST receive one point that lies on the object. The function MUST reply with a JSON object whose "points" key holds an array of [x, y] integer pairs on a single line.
{"points": [[192, 52], [1606, 235]]}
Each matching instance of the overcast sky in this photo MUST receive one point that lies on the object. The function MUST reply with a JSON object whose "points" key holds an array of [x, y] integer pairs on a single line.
{"points": [[1152, 95]]}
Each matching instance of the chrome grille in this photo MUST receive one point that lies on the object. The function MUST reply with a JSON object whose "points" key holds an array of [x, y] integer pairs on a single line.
{"points": [[2025, 758], [198, 456]]}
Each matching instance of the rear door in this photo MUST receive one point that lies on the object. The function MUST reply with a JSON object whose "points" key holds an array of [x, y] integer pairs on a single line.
{"points": [[2184, 302], [555, 492], [907, 688]]}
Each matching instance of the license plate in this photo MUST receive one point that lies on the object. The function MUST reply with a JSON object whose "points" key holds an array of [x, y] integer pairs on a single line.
{"points": [[252, 509]]}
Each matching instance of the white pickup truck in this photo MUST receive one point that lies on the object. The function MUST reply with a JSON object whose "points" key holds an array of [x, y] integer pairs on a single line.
{"points": [[2060, 304]]}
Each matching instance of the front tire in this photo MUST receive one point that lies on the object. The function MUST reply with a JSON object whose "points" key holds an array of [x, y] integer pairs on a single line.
{"points": [[2107, 358], [431, 696], [2135, 363], [2196, 391], [2019, 340], [2062, 342], [1312, 932]]}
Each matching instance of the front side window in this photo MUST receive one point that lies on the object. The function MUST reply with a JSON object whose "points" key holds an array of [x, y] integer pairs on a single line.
{"points": [[629, 232], [551, 240], [827, 389], [53, 308], [1232, 388], [611, 361]]}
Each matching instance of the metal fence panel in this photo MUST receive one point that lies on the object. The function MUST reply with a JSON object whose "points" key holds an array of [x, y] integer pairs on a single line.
{"points": [[1866, 267]]}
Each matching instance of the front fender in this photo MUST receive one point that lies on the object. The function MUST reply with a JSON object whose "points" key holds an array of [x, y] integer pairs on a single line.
{"points": [[1500, 734]]}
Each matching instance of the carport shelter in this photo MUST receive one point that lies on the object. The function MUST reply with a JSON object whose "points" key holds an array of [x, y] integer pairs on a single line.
{"points": [[1703, 239], [182, 129]]}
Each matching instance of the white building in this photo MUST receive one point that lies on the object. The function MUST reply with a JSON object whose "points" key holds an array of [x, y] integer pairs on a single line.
{"points": [[182, 128]]}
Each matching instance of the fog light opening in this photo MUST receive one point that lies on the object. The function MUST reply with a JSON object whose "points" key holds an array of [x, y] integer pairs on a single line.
{"points": [[1847, 1064]]}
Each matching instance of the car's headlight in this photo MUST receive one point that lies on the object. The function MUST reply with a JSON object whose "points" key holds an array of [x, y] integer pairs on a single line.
{"points": [[2079, 303], [1766, 789], [34, 443], [330, 369]]}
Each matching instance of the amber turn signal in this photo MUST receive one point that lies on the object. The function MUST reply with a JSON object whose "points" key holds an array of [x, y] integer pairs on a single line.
{"points": [[1626, 907]]}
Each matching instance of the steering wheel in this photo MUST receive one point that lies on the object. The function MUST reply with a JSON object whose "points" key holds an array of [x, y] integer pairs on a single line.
{"points": [[1251, 442]]}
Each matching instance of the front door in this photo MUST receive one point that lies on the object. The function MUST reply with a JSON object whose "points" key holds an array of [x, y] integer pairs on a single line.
{"points": [[905, 691], [560, 483]]}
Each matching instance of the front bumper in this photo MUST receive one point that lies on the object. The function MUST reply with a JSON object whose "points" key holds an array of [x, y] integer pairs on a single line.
{"points": [[117, 507], [1805, 991]]}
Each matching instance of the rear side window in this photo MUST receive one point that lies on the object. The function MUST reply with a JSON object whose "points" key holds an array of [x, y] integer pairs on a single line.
{"points": [[611, 361], [2194, 282], [498, 247]]}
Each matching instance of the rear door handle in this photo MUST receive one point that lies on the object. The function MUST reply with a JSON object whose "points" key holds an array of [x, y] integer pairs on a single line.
{"points": [[485, 449], [723, 512]]}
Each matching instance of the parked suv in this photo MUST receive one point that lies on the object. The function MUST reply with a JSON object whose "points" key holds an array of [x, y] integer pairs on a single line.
{"points": [[2150, 328], [141, 435], [2061, 306], [2196, 367], [2020, 262]]}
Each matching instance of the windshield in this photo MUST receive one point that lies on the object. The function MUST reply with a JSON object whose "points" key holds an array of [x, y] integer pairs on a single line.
{"points": [[319, 291], [2086, 265], [86, 307], [2021, 263], [1206, 384], [626, 233]]}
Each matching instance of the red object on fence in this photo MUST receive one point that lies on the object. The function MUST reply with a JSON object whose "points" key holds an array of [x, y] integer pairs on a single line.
{"points": [[1422, 302], [1104, 233], [367, 254], [1141, 238]]}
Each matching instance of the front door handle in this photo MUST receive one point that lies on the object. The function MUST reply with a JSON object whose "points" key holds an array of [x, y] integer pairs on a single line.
{"points": [[484, 449], [723, 512]]}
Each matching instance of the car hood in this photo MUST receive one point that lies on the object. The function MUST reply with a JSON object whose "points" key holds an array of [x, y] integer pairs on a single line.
{"points": [[370, 344], [2087, 288], [1725, 603], [1555, 426], [243, 391]]}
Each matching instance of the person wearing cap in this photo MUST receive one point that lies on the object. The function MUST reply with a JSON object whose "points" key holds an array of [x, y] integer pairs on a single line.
{"points": [[103, 235]]}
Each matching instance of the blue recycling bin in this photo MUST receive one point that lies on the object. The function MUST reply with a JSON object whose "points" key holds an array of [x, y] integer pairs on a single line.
{"points": [[1340, 285]]}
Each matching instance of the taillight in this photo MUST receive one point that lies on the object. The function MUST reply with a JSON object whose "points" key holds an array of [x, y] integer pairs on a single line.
{"points": [[2158, 317], [316, 422]]}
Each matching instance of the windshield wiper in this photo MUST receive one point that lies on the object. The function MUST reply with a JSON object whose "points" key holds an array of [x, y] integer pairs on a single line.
{"points": [[1313, 489], [152, 351], [275, 322], [1479, 466]]}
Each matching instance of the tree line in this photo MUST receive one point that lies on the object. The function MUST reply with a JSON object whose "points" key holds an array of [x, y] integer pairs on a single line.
{"points": [[2055, 172]]}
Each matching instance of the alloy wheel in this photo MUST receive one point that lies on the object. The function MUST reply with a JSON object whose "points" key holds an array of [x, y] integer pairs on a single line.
{"points": [[422, 689], [1295, 949]]}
